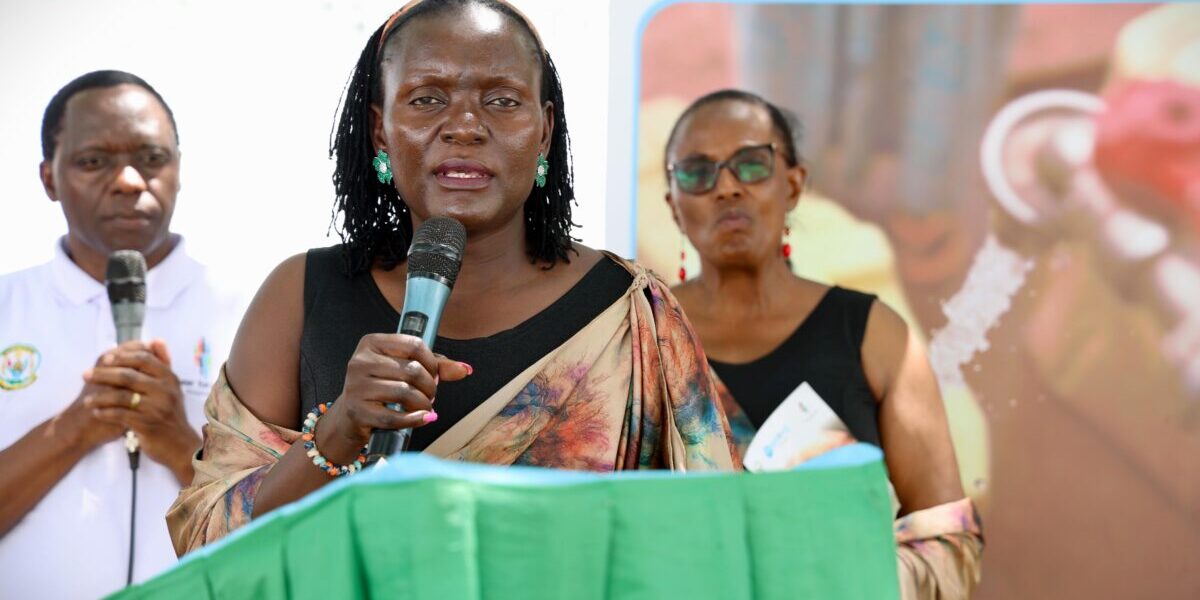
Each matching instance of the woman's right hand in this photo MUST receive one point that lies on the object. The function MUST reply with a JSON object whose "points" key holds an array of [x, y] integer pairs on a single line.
{"points": [[386, 368]]}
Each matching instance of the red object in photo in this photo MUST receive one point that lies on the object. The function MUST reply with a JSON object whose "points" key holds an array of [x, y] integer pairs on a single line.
{"points": [[1148, 140]]}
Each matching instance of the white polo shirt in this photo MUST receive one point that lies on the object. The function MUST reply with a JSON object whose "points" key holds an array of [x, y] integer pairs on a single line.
{"points": [[55, 321]]}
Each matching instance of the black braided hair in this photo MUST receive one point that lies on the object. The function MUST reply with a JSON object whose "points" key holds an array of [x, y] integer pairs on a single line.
{"points": [[376, 223]]}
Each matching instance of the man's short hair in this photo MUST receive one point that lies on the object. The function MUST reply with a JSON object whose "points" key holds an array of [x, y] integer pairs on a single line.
{"points": [[52, 120]]}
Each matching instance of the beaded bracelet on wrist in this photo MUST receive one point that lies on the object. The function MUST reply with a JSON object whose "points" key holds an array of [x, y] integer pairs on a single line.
{"points": [[307, 433]]}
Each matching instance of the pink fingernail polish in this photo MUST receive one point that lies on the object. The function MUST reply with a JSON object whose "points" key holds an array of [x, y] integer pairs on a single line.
{"points": [[469, 368], [429, 417]]}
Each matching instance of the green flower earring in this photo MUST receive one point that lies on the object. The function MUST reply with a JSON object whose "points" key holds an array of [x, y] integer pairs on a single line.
{"points": [[542, 168], [383, 168]]}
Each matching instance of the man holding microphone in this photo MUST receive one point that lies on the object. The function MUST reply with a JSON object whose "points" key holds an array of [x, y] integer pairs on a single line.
{"points": [[76, 520]]}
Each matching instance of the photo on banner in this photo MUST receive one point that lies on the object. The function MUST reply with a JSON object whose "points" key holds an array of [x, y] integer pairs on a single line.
{"points": [[1022, 183]]}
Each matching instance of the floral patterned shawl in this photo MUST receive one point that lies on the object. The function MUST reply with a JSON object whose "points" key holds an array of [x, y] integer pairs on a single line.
{"points": [[631, 390]]}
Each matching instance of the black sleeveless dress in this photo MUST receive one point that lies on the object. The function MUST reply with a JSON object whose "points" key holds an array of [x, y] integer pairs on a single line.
{"points": [[826, 351], [340, 309]]}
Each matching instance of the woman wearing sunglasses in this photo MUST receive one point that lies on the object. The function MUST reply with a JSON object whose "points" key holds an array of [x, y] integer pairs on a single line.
{"points": [[734, 174]]}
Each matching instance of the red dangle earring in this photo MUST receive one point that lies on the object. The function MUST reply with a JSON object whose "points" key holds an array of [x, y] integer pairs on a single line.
{"points": [[682, 256], [786, 249]]}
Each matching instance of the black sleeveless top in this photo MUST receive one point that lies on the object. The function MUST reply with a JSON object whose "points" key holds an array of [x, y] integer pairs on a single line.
{"points": [[825, 350], [340, 309]]}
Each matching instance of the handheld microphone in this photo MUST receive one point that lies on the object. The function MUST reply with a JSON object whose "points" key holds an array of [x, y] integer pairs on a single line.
{"points": [[125, 279], [434, 258]]}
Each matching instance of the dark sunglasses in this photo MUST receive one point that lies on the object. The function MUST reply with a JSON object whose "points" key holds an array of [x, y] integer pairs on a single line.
{"points": [[751, 164]]}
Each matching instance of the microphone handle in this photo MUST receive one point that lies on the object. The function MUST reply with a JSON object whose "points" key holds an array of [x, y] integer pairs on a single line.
{"points": [[127, 317], [424, 300], [128, 332], [386, 442]]}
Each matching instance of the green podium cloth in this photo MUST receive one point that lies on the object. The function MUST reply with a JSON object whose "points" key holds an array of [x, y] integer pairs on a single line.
{"points": [[419, 527]]}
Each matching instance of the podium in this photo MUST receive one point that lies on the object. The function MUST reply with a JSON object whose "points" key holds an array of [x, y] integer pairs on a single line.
{"points": [[419, 527]]}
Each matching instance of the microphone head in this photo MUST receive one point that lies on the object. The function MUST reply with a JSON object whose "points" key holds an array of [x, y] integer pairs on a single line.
{"points": [[437, 249], [125, 277]]}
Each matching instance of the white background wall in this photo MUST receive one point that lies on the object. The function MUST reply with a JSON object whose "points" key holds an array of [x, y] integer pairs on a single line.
{"points": [[254, 86]]}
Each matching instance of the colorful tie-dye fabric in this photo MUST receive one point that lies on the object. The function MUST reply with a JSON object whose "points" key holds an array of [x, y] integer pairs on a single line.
{"points": [[940, 552], [631, 390], [939, 549]]}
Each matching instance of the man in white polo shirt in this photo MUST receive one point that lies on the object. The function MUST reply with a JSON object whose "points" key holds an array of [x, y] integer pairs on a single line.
{"points": [[67, 393]]}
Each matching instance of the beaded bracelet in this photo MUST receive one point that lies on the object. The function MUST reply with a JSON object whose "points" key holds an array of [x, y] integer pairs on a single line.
{"points": [[310, 445]]}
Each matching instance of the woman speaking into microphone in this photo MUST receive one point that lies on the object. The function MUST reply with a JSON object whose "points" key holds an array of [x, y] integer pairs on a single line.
{"points": [[549, 353]]}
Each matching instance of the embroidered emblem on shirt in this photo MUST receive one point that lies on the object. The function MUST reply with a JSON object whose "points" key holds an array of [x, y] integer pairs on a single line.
{"points": [[203, 358], [18, 366]]}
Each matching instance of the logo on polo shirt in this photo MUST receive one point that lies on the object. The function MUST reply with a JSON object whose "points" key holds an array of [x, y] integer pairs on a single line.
{"points": [[203, 358], [18, 366]]}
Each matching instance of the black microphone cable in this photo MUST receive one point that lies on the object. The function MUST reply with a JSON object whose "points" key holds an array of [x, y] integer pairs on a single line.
{"points": [[135, 453]]}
